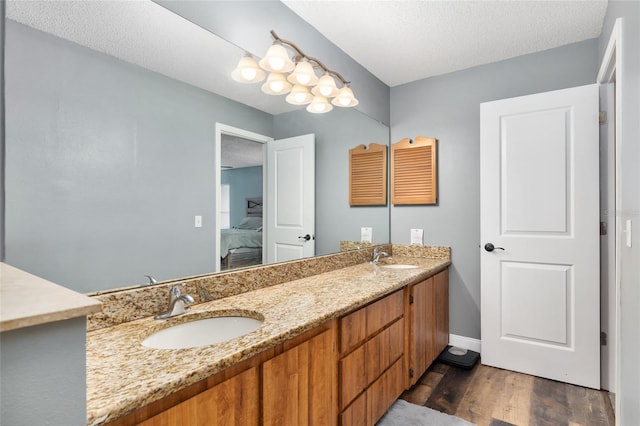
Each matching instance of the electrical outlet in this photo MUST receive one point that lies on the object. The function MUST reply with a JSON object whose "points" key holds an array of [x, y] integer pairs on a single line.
{"points": [[417, 237], [198, 222], [366, 234]]}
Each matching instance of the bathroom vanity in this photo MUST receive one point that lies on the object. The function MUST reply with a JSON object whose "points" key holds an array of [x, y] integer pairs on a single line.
{"points": [[338, 347]]}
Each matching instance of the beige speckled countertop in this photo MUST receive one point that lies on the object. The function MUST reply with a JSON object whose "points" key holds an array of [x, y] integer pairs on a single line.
{"points": [[27, 300], [123, 375]]}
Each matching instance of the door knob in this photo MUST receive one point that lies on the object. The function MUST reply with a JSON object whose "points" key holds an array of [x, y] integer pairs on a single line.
{"points": [[490, 247], [305, 237]]}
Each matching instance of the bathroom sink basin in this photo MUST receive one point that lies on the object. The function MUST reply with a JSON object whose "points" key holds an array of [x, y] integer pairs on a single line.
{"points": [[398, 266], [201, 332]]}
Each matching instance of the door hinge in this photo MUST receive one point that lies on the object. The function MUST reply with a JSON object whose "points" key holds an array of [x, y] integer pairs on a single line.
{"points": [[603, 338], [602, 117], [411, 300], [603, 228], [411, 372]]}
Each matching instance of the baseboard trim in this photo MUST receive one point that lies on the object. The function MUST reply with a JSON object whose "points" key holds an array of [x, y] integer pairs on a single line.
{"points": [[464, 342]]}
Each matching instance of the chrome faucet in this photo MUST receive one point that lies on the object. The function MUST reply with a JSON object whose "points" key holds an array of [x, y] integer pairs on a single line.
{"points": [[377, 254], [176, 303], [152, 280]]}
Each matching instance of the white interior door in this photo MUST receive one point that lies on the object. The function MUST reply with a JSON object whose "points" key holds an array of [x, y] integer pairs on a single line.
{"points": [[290, 203], [539, 207]]}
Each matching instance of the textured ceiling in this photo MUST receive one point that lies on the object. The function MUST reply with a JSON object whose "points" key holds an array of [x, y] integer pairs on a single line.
{"points": [[238, 152], [398, 41], [146, 34], [404, 41]]}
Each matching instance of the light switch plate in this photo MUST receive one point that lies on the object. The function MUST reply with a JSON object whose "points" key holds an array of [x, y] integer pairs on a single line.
{"points": [[198, 222], [366, 234], [628, 232], [417, 237]]}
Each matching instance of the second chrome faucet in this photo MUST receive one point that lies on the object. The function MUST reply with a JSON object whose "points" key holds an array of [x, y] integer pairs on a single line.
{"points": [[377, 254], [177, 301]]}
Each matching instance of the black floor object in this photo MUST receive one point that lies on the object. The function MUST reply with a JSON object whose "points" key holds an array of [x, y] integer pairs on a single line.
{"points": [[456, 359]]}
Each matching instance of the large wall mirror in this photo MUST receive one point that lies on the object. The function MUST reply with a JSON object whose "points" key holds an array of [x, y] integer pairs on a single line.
{"points": [[111, 112]]}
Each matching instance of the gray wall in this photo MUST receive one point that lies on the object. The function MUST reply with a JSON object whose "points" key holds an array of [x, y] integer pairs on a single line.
{"points": [[447, 107], [629, 77], [99, 150], [2, 145], [244, 183], [337, 132], [43, 371], [249, 29], [107, 165]]}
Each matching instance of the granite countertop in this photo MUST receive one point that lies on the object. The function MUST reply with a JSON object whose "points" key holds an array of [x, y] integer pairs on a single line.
{"points": [[123, 375], [27, 300]]}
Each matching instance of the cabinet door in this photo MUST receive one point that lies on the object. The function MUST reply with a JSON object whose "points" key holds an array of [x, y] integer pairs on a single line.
{"points": [[421, 344], [300, 385], [441, 287], [233, 402]]}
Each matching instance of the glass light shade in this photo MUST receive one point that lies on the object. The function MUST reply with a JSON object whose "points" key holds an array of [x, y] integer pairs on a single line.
{"points": [[277, 60], [303, 75], [276, 84], [247, 71], [319, 105], [345, 98], [299, 95], [326, 87]]}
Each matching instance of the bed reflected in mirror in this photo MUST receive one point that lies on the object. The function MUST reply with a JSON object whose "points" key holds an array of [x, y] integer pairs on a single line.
{"points": [[241, 244]]}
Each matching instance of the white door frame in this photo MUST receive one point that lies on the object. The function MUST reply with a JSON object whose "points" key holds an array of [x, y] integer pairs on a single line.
{"points": [[610, 70], [223, 129]]}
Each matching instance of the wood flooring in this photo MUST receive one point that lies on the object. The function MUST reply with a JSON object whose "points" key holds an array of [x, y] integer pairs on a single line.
{"points": [[494, 397]]}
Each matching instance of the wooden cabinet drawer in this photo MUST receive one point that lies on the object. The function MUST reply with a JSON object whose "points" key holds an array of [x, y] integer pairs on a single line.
{"points": [[353, 330], [384, 391], [384, 311], [365, 364], [358, 326], [367, 409], [356, 414], [382, 350], [353, 376]]}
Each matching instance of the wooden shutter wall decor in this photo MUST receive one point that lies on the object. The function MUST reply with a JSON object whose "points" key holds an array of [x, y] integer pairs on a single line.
{"points": [[413, 171], [368, 175]]}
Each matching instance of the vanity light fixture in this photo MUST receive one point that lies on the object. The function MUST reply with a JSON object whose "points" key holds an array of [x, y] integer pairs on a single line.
{"points": [[276, 84], [299, 95], [248, 71], [297, 77]]}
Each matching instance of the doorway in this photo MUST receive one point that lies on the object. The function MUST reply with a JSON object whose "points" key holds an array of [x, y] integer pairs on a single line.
{"points": [[239, 199], [610, 96]]}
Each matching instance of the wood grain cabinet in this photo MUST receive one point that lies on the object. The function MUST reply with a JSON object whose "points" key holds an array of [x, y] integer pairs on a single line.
{"points": [[348, 371], [234, 402], [441, 331], [427, 307], [299, 386], [371, 360]]}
